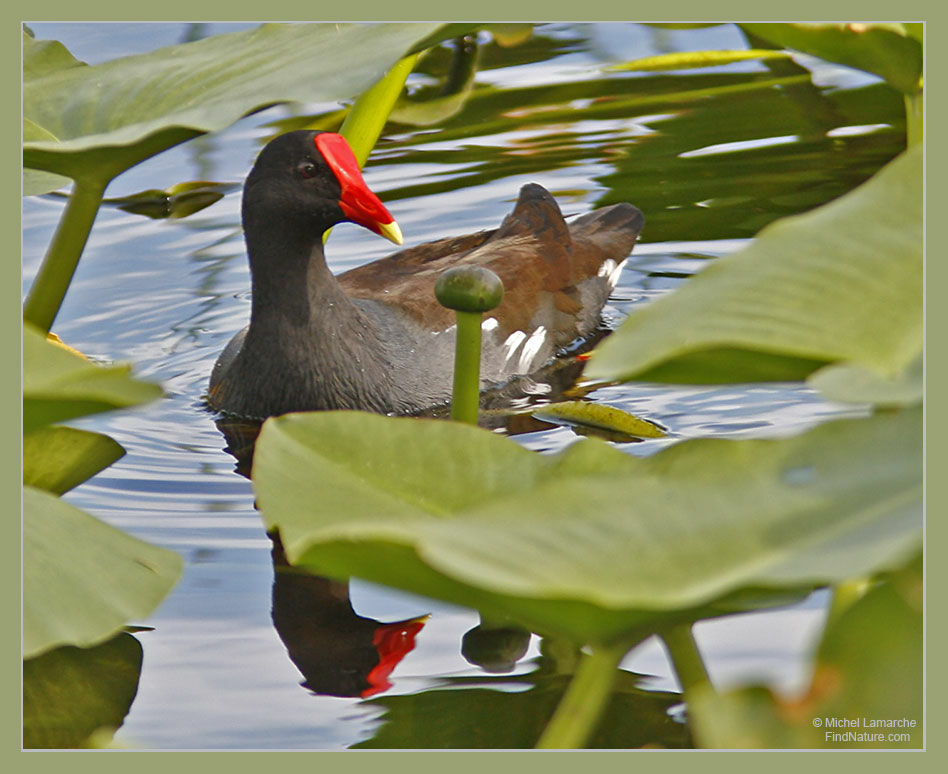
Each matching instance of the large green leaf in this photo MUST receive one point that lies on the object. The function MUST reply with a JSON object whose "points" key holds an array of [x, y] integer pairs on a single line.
{"points": [[842, 283], [60, 385], [59, 458], [77, 697], [590, 542], [868, 670], [104, 118], [83, 580], [885, 50]]}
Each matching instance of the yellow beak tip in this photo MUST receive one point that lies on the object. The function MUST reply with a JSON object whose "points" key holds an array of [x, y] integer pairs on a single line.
{"points": [[392, 232]]}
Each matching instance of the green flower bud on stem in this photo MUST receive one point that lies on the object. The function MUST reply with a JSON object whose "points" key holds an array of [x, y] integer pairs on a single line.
{"points": [[469, 291]]}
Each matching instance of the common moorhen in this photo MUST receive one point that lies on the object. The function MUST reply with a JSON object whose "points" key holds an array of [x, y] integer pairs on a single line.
{"points": [[375, 338]]}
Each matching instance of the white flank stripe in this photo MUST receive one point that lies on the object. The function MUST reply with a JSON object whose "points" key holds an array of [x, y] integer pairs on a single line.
{"points": [[608, 266], [511, 344], [530, 349], [616, 273]]}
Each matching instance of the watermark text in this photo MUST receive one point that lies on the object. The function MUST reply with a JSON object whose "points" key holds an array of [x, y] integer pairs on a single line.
{"points": [[862, 730]]}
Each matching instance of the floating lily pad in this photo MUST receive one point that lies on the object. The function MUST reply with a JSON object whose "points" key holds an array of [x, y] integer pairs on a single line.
{"points": [[591, 542], [479, 713]]}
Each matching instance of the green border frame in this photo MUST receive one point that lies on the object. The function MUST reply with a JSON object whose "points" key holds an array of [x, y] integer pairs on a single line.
{"points": [[525, 10]]}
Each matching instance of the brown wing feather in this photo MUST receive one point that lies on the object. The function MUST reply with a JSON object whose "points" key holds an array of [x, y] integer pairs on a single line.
{"points": [[534, 251]]}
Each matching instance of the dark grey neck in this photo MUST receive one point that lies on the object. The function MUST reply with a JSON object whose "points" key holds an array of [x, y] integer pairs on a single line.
{"points": [[292, 285], [309, 347]]}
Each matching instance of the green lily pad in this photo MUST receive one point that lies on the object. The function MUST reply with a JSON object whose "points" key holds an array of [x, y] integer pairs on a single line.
{"points": [[107, 117], [77, 697], [841, 283], [60, 385], [59, 458], [83, 580], [588, 543]]}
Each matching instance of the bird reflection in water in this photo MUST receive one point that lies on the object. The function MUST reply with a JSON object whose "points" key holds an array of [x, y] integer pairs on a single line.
{"points": [[339, 652]]}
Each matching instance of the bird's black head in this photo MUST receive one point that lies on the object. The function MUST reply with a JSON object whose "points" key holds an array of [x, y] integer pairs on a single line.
{"points": [[305, 182]]}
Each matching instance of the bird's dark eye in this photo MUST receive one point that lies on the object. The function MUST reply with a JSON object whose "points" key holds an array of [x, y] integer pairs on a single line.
{"points": [[306, 169]]}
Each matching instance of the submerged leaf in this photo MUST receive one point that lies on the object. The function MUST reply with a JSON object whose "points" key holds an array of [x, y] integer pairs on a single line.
{"points": [[510, 34], [589, 543]]}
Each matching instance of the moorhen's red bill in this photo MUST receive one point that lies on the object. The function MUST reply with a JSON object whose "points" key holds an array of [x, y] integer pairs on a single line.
{"points": [[375, 338]]}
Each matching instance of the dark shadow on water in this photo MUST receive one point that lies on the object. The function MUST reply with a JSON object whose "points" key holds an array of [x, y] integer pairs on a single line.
{"points": [[487, 712]]}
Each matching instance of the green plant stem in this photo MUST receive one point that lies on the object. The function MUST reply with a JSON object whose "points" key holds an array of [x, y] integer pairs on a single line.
{"points": [[366, 119], [51, 283], [686, 658], [467, 368], [585, 700]]}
